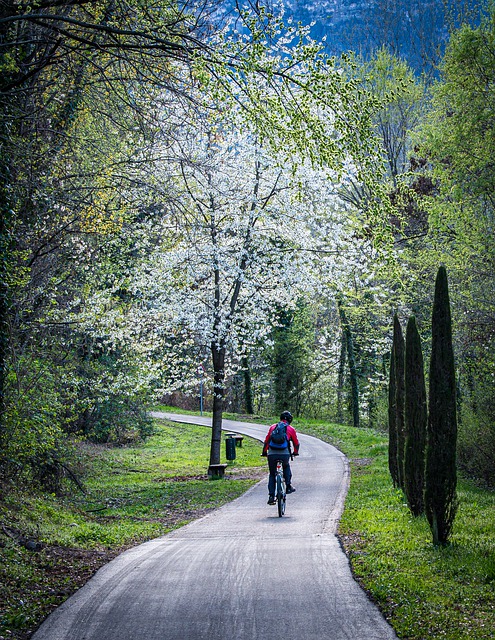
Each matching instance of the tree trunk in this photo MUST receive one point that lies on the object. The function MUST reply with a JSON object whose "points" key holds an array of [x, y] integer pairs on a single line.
{"points": [[372, 396], [340, 381], [6, 9], [352, 365], [372, 410], [218, 358], [354, 378], [4, 293], [6, 215], [248, 389]]}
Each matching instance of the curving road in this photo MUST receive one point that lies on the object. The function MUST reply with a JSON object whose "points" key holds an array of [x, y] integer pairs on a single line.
{"points": [[240, 573]]}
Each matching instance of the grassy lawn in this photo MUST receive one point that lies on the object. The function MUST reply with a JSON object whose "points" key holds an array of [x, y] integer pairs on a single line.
{"points": [[136, 493], [132, 494], [425, 592]]}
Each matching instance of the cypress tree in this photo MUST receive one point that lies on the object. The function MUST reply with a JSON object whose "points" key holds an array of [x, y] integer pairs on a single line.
{"points": [[415, 420], [399, 353], [392, 423], [440, 475]]}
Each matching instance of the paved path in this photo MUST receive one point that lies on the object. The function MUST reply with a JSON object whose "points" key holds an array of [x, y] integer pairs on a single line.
{"points": [[240, 573]]}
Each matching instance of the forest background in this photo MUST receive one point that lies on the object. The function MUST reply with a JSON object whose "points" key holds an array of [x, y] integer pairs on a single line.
{"points": [[191, 196]]}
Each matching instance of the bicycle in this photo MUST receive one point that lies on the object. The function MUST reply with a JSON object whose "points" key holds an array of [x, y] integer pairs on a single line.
{"points": [[280, 490], [280, 493]]}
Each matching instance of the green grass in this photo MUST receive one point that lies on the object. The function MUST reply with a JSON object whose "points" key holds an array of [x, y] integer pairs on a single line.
{"points": [[132, 494], [424, 591], [136, 493]]}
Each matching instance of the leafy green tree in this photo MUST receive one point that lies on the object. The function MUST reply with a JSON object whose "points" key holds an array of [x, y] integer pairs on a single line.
{"points": [[415, 420], [132, 55], [401, 97], [61, 220], [441, 471], [456, 143], [394, 83], [58, 66], [294, 341]]}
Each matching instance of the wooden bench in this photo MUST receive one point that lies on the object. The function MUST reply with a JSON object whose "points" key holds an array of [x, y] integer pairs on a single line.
{"points": [[216, 471]]}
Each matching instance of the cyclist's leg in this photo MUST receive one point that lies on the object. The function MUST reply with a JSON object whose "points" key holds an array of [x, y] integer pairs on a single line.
{"points": [[272, 466], [287, 469]]}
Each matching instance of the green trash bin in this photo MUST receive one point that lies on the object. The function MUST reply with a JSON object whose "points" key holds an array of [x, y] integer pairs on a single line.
{"points": [[230, 448]]}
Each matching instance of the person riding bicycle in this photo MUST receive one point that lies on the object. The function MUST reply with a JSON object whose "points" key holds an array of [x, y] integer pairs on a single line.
{"points": [[280, 451]]}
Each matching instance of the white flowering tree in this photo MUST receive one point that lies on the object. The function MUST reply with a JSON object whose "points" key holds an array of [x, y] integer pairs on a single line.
{"points": [[231, 234], [76, 220], [245, 211], [230, 253], [241, 233]]}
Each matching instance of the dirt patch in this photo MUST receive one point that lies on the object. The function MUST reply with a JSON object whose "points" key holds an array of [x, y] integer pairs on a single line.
{"points": [[180, 478], [352, 544], [233, 473], [361, 462], [359, 465], [251, 473]]}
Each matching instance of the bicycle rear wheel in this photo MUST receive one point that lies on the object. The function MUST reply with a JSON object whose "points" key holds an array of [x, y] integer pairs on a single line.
{"points": [[280, 497]]}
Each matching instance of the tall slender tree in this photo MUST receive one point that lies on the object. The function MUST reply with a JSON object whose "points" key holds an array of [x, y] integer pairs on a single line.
{"points": [[441, 475], [392, 423], [415, 420], [399, 354]]}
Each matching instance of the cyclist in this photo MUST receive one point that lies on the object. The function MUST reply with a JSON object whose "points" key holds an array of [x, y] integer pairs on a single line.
{"points": [[280, 451]]}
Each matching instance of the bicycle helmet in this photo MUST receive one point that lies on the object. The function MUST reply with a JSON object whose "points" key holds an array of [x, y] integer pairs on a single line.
{"points": [[287, 416]]}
